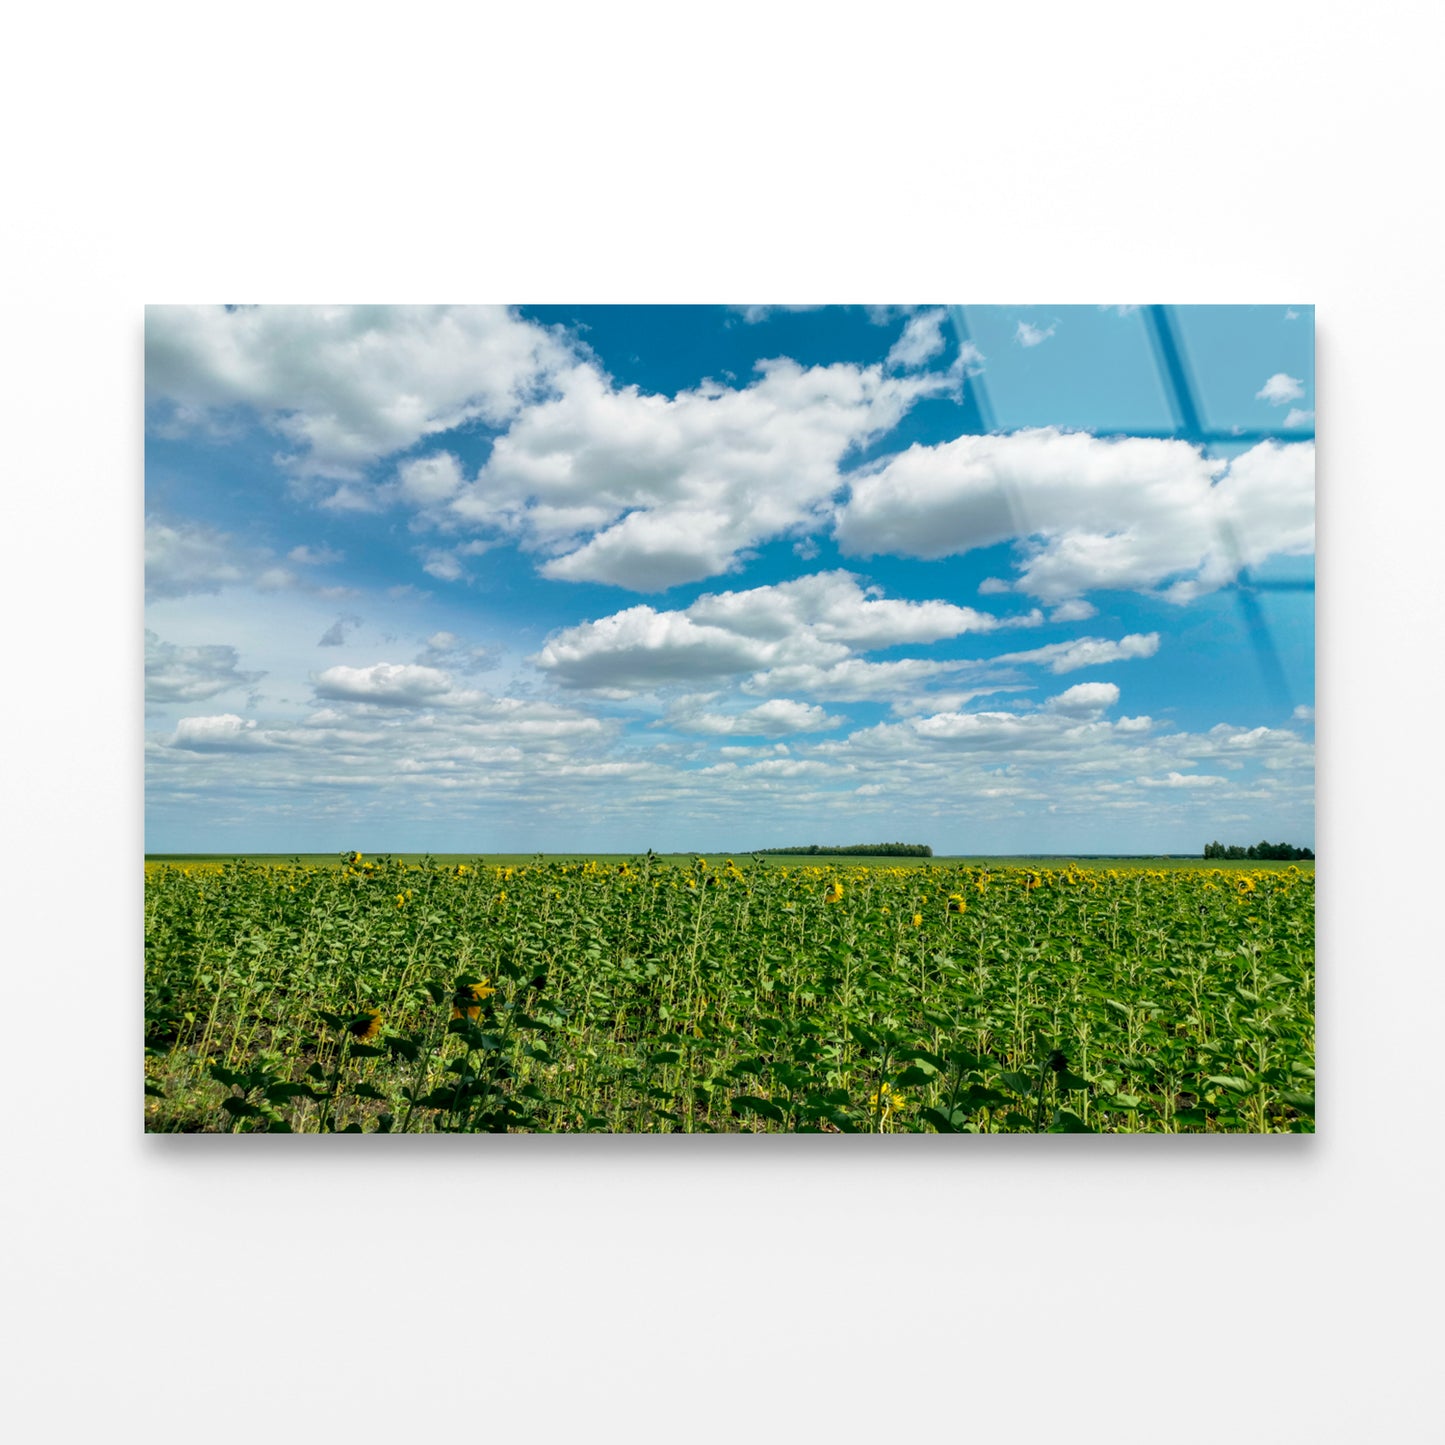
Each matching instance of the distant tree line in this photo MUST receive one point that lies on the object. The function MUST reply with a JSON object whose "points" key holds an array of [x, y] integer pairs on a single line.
{"points": [[877, 850], [1270, 852]]}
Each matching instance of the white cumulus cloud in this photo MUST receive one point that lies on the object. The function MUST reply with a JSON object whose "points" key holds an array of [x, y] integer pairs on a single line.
{"points": [[191, 674], [778, 717], [833, 607], [1027, 335], [1280, 389], [1087, 651], [1085, 699], [224, 732], [922, 340], [1129, 513], [646, 492], [810, 622], [640, 648], [346, 385], [390, 684], [1182, 780], [427, 481]]}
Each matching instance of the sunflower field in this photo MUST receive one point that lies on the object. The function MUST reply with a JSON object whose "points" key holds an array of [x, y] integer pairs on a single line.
{"points": [[654, 995]]}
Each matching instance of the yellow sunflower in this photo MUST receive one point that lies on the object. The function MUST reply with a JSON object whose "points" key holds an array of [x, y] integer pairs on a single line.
{"points": [[472, 995], [367, 1026]]}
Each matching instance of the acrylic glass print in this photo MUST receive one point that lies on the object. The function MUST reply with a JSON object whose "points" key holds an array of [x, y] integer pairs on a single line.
{"points": [[845, 719]]}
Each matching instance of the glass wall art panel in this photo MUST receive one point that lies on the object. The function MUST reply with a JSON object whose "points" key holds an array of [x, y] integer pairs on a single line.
{"points": [[753, 719]]}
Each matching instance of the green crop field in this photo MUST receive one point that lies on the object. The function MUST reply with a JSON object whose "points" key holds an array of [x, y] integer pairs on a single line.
{"points": [[686, 994]]}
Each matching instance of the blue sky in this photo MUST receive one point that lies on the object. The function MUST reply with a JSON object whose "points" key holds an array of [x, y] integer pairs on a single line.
{"points": [[493, 579]]}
